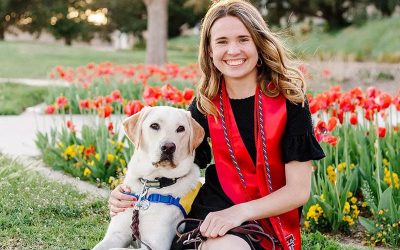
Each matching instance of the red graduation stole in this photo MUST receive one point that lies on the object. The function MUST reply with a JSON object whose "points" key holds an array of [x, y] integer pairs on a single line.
{"points": [[243, 181]]}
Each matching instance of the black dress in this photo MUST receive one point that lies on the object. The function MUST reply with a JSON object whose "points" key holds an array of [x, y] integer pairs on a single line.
{"points": [[298, 144]]}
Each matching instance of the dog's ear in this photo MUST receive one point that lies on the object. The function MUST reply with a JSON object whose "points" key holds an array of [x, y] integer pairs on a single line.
{"points": [[132, 126], [196, 133]]}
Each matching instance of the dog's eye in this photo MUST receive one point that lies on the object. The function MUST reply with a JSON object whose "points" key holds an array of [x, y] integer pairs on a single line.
{"points": [[180, 129], [155, 126]]}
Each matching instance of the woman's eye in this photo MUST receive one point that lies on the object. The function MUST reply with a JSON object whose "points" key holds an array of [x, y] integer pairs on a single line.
{"points": [[244, 40], [155, 126], [221, 42], [180, 129]]}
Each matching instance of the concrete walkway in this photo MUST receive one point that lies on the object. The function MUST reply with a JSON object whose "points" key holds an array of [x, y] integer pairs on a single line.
{"points": [[17, 141], [35, 82]]}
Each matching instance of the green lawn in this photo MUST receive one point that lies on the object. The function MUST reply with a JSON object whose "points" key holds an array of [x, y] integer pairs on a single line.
{"points": [[376, 40], [36, 60], [39, 214], [15, 98]]}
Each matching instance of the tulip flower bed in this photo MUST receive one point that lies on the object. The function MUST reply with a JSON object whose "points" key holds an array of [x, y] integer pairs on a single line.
{"points": [[356, 184], [359, 178], [115, 89]]}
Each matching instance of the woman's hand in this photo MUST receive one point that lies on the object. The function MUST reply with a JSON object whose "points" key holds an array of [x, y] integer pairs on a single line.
{"points": [[119, 202], [218, 223]]}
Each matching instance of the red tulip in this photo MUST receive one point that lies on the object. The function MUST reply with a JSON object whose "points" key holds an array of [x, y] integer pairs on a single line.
{"points": [[332, 123], [318, 135], [90, 151], [369, 114], [381, 132], [314, 106], [188, 94], [50, 109], [346, 104], [61, 71], [371, 92], [340, 116], [384, 100], [61, 101], [151, 95], [353, 119], [99, 101], [84, 104], [132, 107], [108, 99], [330, 139], [110, 126], [116, 95], [105, 111], [321, 127], [70, 125]]}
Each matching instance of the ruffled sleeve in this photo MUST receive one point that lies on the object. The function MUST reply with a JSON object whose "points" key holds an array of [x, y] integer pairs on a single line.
{"points": [[203, 151], [299, 142]]}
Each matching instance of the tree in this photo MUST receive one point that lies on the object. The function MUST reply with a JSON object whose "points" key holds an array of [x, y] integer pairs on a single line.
{"points": [[11, 13], [68, 20], [127, 16], [157, 23], [180, 13], [387, 7]]}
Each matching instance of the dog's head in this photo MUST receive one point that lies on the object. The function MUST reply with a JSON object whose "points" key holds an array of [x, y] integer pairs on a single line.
{"points": [[165, 135]]}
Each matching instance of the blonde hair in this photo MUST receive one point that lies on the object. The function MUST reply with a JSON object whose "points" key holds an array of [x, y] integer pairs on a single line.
{"points": [[287, 80]]}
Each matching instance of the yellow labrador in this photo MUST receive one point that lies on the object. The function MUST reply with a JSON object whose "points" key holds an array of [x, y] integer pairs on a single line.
{"points": [[163, 166]]}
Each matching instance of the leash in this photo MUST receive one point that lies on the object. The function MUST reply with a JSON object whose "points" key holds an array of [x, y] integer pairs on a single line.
{"points": [[251, 231], [141, 204]]}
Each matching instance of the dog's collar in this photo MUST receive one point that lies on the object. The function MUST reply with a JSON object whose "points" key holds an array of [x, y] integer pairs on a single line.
{"points": [[159, 182]]}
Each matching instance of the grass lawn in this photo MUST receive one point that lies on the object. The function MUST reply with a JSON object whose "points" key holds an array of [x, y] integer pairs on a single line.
{"points": [[39, 214], [15, 98], [36, 60], [375, 40]]}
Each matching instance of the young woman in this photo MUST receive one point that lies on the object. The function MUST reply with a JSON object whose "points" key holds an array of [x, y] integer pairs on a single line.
{"points": [[252, 105]]}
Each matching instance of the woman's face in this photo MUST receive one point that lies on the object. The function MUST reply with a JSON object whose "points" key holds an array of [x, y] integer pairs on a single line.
{"points": [[233, 50]]}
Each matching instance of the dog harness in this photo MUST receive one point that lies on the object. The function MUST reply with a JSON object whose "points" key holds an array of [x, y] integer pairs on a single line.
{"points": [[183, 203]]}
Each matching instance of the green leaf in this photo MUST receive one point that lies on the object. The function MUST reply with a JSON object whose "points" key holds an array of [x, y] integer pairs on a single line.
{"points": [[368, 224], [385, 199]]}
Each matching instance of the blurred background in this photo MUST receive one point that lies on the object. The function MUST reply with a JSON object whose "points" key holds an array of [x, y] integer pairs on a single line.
{"points": [[49, 32]]}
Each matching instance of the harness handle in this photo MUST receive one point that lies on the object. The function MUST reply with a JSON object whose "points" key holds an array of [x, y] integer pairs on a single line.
{"points": [[250, 230]]}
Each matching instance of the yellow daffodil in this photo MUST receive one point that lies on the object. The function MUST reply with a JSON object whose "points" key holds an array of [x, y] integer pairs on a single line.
{"points": [[341, 166], [87, 172], [331, 174], [346, 208], [110, 157]]}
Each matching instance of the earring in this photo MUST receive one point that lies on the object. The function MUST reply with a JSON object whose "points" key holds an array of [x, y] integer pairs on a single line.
{"points": [[259, 62]]}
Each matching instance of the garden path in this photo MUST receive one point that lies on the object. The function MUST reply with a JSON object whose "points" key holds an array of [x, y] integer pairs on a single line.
{"points": [[17, 140]]}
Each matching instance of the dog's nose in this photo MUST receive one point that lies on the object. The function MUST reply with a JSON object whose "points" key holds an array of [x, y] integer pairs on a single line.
{"points": [[168, 148]]}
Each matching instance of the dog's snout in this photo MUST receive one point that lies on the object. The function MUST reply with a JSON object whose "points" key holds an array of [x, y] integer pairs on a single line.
{"points": [[168, 148]]}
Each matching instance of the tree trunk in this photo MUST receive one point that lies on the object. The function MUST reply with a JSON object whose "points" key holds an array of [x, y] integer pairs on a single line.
{"points": [[2, 31], [157, 29], [68, 41]]}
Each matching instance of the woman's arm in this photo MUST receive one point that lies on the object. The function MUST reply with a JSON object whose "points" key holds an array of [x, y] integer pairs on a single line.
{"points": [[293, 195]]}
